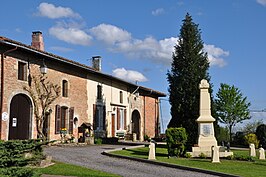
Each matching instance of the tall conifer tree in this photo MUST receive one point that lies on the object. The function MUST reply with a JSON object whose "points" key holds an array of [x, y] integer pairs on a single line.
{"points": [[189, 66]]}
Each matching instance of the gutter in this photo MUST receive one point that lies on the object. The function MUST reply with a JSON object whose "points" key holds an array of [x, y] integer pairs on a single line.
{"points": [[2, 83]]}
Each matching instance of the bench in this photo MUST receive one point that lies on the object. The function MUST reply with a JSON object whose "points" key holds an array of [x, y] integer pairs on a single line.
{"points": [[120, 135]]}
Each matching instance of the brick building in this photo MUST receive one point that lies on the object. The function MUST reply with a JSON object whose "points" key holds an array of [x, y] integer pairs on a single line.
{"points": [[87, 95]]}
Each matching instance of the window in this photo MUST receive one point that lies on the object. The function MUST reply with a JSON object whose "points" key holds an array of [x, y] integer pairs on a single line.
{"points": [[65, 88], [22, 71], [121, 119], [64, 118], [99, 92], [99, 116], [121, 97]]}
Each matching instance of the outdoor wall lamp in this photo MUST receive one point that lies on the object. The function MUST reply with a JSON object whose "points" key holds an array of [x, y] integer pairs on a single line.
{"points": [[43, 68], [49, 111]]}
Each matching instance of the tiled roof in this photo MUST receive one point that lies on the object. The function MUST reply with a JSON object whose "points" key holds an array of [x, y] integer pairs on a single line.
{"points": [[88, 68]]}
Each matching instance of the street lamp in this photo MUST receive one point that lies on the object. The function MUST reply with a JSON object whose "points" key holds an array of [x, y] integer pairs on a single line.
{"points": [[43, 68]]}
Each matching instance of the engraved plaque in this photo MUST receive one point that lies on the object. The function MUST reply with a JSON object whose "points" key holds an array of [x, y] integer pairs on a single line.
{"points": [[206, 130]]}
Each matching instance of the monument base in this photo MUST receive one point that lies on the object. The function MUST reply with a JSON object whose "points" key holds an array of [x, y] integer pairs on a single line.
{"points": [[208, 141], [207, 151]]}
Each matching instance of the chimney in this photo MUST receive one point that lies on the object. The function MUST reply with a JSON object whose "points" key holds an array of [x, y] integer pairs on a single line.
{"points": [[37, 40], [96, 63]]}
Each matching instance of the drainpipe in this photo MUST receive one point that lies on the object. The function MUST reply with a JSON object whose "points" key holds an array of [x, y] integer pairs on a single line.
{"points": [[144, 116], [2, 83]]}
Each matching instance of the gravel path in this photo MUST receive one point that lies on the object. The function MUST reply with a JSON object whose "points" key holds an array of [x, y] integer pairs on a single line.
{"points": [[91, 157]]}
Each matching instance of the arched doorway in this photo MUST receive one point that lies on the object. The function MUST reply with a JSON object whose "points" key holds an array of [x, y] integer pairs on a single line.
{"points": [[19, 118], [136, 123]]}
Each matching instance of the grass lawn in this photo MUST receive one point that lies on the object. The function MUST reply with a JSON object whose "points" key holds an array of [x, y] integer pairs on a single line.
{"points": [[241, 168], [71, 170]]}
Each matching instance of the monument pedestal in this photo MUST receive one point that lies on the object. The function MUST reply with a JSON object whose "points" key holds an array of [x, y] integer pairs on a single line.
{"points": [[207, 150]]}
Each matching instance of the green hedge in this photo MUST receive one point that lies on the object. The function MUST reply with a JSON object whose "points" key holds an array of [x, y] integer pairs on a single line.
{"points": [[176, 139], [15, 155]]}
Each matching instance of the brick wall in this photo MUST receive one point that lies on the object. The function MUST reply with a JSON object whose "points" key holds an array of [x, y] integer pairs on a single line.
{"points": [[56, 73], [151, 116], [79, 95]]}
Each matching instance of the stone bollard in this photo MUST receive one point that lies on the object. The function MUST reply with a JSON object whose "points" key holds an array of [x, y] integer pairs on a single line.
{"points": [[152, 151], [261, 154], [215, 154], [252, 151], [134, 137]]}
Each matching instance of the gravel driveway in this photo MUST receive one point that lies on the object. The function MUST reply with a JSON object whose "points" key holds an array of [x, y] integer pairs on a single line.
{"points": [[91, 157]]}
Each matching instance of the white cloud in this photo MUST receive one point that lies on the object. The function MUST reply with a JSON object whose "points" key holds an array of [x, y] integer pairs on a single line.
{"points": [[215, 55], [157, 12], [159, 51], [129, 75], [71, 35], [61, 49], [120, 40], [117, 39], [110, 34], [53, 12], [262, 2], [148, 48], [18, 30]]}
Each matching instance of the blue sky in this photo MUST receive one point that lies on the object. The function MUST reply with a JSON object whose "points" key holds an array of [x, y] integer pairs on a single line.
{"points": [[136, 38]]}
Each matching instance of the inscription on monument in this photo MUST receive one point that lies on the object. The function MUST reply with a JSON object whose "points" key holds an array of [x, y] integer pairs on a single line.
{"points": [[206, 129]]}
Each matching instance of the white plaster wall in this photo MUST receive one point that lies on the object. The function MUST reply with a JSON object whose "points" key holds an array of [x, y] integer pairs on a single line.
{"points": [[111, 97]]}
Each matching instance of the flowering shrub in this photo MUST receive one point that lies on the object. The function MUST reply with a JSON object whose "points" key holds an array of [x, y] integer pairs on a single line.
{"points": [[252, 139], [63, 133]]}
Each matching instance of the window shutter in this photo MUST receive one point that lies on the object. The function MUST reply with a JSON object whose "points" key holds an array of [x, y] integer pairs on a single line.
{"points": [[57, 119], [125, 119], [25, 72], [118, 118], [104, 117], [71, 120], [95, 122]]}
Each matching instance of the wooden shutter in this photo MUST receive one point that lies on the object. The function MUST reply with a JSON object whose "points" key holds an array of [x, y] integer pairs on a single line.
{"points": [[71, 120], [95, 122], [113, 125], [118, 119], [57, 119], [104, 117], [125, 119]]}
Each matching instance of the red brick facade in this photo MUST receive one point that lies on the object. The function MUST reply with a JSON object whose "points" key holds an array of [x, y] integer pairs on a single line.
{"points": [[151, 113], [77, 91], [77, 104]]}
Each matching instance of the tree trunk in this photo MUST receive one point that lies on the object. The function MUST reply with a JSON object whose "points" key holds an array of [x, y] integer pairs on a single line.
{"points": [[40, 133], [230, 133]]}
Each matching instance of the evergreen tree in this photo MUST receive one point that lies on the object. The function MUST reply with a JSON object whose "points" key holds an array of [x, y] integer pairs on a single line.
{"points": [[189, 66]]}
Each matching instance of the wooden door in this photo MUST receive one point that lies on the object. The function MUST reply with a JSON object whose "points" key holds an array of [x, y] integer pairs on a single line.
{"points": [[136, 123], [19, 118], [113, 125]]}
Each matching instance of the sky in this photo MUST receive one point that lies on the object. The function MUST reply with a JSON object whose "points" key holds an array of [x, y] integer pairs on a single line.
{"points": [[136, 39]]}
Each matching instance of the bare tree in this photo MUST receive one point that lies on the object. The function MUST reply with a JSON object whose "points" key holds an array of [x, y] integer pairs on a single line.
{"points": [[43, 94]]}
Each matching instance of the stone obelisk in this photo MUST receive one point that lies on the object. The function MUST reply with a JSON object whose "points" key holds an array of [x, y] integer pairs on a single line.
{"points": [[205, 123], [205, 120]]}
